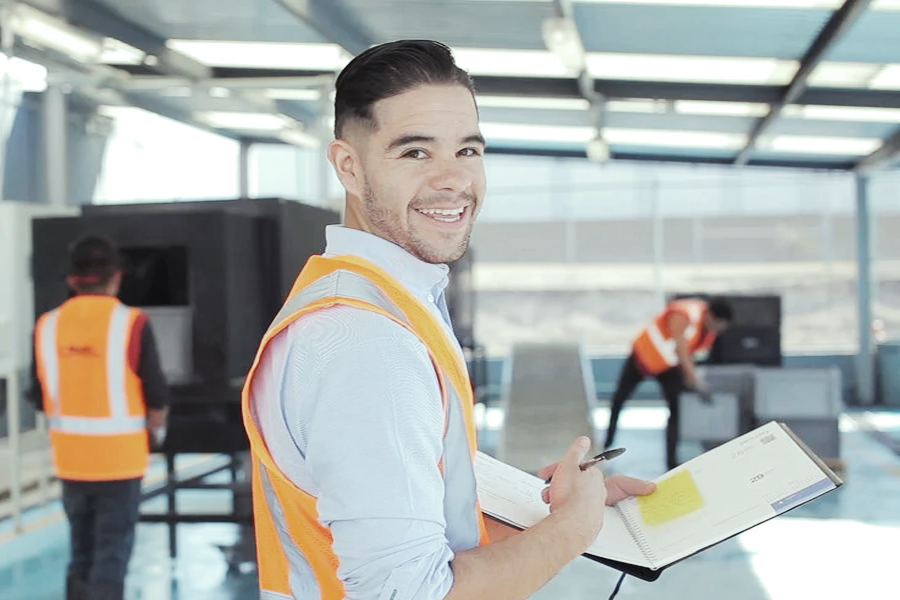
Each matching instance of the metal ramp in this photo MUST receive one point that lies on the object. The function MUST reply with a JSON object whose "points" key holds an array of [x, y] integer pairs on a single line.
{"points": [[548, 401]]}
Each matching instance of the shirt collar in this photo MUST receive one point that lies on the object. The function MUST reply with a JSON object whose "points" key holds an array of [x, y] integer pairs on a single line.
{"points": [[421, 278]]}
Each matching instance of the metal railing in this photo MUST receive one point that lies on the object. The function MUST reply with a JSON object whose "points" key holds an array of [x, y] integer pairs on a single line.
{"points": [[14, 446]]}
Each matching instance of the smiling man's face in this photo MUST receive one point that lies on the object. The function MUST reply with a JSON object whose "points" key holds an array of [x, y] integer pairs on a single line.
{"points": [[416, 179]]}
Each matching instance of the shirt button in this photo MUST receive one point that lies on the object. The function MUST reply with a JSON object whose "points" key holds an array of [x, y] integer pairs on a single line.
{"points": [[431, 298]]}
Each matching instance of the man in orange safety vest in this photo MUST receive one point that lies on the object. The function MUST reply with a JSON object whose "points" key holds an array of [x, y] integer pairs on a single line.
{"points": [[98, 379], [665, 350]]}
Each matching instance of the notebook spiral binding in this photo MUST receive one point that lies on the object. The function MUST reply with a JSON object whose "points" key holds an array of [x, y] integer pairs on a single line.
{"points": [[635, 529]]}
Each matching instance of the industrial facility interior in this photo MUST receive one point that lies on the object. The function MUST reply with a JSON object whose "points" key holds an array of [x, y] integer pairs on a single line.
{"points": [[637, 151]]}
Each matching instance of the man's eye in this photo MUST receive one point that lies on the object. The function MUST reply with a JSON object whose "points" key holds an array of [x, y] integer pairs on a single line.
{"points": [[470, 152], [415, 154]]}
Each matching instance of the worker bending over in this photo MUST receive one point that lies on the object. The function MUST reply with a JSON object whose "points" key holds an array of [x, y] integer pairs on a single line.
{"points": [[665, 350]]}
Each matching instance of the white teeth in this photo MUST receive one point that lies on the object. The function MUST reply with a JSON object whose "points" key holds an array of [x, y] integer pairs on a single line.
{"points": [[452, 212]]}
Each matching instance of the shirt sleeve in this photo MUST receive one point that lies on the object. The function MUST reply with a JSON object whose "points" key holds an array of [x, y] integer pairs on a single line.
{"points": [[153, 380], [373, 439]]}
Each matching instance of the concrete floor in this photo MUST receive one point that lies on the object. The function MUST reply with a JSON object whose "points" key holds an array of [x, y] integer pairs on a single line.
{"points": [[841, 546]]}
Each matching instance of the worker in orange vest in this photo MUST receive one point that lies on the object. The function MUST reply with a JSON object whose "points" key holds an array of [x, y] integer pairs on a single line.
{"points": [[665, 350], [358, 406], [98, 379]]}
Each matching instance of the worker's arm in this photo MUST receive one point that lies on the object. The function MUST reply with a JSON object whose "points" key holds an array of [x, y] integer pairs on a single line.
{"points": [[678, 323], [153, 381], [35, 393]]}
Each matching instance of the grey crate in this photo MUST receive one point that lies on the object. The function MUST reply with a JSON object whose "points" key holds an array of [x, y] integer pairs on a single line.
{"points": [[737, 380], [797, 394], [717, 421], [821, 435], [889, 371]]}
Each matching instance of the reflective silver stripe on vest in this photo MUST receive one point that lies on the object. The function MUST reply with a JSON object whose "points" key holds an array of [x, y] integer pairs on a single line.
{"points": [[97, 425], [460, 497], [302, 578], [346, 284], [50, 360], [117, 362], [119, 421], [267, 595], [666, 346]]}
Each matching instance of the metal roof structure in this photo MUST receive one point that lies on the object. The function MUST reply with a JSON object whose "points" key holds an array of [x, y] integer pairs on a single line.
{"points": [[797, 83]]}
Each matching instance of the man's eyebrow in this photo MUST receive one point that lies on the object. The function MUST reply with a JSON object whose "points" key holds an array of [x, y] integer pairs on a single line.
{"points": [[409, 139], [401, 141]]}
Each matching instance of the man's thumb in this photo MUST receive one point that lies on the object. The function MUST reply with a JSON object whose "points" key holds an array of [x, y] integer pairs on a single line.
{"points": [[580, 447]]}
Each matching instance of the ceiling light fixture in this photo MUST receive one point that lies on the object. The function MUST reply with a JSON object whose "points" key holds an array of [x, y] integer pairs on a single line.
{"points": [[51, 33], [562, 38], [728, 109], [598, 150], [822, 145], [692, 69], [888, 78], [673, 138], [243, 120]]}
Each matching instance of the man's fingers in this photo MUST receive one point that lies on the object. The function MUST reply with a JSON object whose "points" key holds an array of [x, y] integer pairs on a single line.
{"points": [[633, 486], [548, 471], [545, 495]]}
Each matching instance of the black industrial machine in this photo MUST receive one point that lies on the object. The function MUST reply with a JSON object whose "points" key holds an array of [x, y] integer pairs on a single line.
{"points": [[754, 337], [211, 275]]}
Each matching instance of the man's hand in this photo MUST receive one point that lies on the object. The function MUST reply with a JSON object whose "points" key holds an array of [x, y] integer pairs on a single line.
{"points": [[619, 487], [156, 418], [580, 493], [156, 424]]}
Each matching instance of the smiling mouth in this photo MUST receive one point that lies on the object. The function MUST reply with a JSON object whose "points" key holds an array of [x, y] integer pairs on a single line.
{"points": [[444, 215]]}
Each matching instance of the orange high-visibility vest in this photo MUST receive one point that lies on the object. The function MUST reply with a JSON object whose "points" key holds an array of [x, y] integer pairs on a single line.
{"points": [[289, 536], [655, 347], [93, 398]]}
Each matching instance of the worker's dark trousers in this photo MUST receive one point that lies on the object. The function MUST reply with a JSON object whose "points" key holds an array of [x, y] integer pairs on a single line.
{"points": [[672, 384], [102, 518]]}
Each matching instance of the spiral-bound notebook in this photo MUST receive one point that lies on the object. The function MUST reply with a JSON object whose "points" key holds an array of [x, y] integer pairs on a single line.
{"points": [[717, 495]]}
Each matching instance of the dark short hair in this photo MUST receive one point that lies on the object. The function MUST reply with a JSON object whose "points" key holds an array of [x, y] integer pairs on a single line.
{"points": [[388, 70], [720, 308], [93, 260]]}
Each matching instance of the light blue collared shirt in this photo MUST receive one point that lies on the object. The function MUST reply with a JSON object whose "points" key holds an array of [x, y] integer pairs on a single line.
{"points": [[349, 406]]}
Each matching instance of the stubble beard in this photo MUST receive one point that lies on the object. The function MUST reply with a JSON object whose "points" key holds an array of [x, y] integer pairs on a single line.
{"points": [[390, 225]]}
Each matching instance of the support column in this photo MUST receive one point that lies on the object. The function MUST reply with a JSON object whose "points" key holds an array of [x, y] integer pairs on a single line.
{"points": [[865, 360], [244, 170], [659, 288], [56, 143]]}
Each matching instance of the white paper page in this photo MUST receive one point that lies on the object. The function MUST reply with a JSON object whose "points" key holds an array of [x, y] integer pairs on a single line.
{"points": [[514, 496], [743, 483]]}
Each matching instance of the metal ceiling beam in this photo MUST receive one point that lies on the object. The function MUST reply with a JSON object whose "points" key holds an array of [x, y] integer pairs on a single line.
{"points": [[96, 17], [568, 88], [839, 23], [888, 151], [664, 158], [332, 19], [158, 84]]}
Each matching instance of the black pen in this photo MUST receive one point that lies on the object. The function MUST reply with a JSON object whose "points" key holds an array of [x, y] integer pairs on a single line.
{"points": [[605, 455]]}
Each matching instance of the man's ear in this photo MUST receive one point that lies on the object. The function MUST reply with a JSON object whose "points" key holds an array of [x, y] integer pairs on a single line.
{"points": [[346, 161]]}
